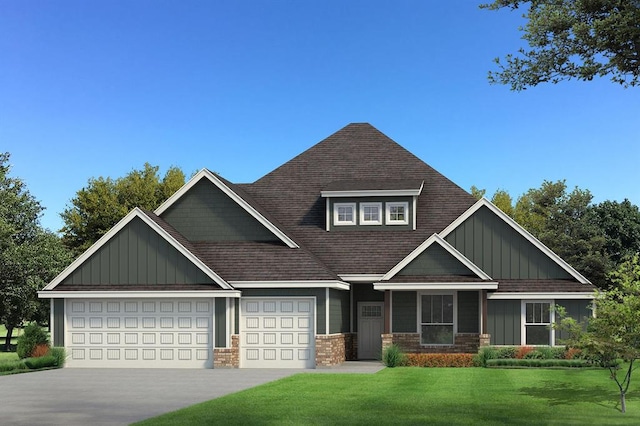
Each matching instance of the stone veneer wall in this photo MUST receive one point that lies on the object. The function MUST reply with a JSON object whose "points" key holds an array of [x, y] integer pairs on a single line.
{"points": [[228, 357], [410, 342], [334, 349]]}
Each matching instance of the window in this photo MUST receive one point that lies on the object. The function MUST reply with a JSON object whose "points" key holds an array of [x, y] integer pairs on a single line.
{"points": [[370, 213], [537, 323], [344, 214], [397, 213], [437, 319]]}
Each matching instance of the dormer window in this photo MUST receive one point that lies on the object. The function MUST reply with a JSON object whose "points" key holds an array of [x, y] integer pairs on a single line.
{"points": [[344, 214], [370, 213], [397, 213]]}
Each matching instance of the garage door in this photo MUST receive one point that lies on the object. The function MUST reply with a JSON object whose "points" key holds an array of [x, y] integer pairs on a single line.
{"points": [[277, 333], [139, 333]]}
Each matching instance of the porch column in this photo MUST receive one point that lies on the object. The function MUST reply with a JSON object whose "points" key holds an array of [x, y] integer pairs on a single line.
{"points": [[387, 311]]}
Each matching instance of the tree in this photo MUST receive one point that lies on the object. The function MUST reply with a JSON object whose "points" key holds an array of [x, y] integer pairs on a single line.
{"points": [[104, 201], [620, 223], [614, 333], [29, 255], [569, 39]]}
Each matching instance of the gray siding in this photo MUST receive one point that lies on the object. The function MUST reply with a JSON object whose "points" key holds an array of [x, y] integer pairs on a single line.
{"points": [[205, 213], [500, 251], [319, 294], [468, 312], [339, 311], [504, 321], [221, 322], [404, 311], [364, 293], [137, 255], [383, 200], [58, 322], [236, 328], [580, 310], [435, 260]]}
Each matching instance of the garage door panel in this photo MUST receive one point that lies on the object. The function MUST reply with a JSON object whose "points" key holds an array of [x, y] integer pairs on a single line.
{"points": [[140, 333], [277, 333]]}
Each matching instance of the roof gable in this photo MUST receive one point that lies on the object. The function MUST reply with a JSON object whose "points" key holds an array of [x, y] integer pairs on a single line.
{"points": [[503, 248], [131, 252]]}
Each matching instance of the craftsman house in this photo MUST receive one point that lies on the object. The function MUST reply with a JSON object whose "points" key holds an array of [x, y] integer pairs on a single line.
{"points": [[350, 246]]}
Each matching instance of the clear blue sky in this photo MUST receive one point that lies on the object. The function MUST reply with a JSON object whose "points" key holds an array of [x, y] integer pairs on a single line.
{"points": [[98, 88]]}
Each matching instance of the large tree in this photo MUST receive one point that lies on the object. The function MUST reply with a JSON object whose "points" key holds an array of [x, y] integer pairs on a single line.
{"points": [[573, 39], [104, 201], [620, 223], [29, 255]]}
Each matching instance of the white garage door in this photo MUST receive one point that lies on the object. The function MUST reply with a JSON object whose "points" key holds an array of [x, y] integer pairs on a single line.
{"points": [[277, 333], [139, 333]]}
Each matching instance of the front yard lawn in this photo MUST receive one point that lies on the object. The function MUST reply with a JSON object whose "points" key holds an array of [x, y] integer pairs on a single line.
{"points": [[447, 396]]}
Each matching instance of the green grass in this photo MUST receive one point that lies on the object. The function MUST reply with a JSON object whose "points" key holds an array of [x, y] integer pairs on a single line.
{"points": [[8, 356], [446, 396]]}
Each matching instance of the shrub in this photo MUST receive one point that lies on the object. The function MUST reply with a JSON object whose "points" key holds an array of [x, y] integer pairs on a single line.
{"points": [[12, 365], [523, 351], [32, 336], [59, 354], [572, 353], [541, 363], [440, 360], [506, 352], [392, 356], [42, 362], [40, 350], [485, 353]]}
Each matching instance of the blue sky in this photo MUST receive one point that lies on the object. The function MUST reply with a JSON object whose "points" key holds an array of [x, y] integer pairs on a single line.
{"points": [[98, 88]]}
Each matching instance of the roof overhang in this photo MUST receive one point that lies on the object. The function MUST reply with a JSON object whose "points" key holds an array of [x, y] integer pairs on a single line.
{"points": [[361, 278], [531, 295], [191, 294], [338, 285], [436, 286], [373, 189]]}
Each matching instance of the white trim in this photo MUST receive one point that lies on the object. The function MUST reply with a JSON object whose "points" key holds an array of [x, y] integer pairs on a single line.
{"points": [[52, 331], [365, 278], [374, 192], [137, 294], [326, 311], [361, 208], [414, 213], [387, 212], [338, 285], [538, 296], [136, 212], [351, 311], [533, 240], [328, 215], [336, 214], [204, 173], [436, 286], [435, 238], [523, 321]]}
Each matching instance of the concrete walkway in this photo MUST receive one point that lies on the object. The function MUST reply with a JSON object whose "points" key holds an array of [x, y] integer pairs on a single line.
{"points": [[121, 396]]}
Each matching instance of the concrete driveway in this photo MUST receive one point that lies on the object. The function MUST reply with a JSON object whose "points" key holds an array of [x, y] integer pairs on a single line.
{"points": [[77, 396]]}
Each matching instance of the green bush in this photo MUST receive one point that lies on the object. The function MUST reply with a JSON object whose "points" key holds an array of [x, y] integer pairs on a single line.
{"points": [[506, 352], [484, 354], [59, 354], [531, 362], [12, 366], [40, 362], [392, 356], [32, 336]]}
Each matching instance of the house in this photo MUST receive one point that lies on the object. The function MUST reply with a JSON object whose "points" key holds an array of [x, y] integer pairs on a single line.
{"points": [[348, 247]]}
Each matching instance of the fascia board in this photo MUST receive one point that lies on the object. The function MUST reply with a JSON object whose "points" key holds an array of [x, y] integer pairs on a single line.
{"points": [[372, 193], [533, 240], [138, 294], [435, 238], [361, 277], [436, 286], [136, 212], [204, 173], [530, 295], [338, 285]]}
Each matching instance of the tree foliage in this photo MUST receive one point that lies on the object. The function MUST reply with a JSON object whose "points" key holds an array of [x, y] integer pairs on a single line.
{"points": [[620, 223], [29, 255], [104, 201], [614, 333], [573, 39]]}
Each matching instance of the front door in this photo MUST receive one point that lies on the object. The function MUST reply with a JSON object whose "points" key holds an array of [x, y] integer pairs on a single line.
{"points": [[370, 327]]}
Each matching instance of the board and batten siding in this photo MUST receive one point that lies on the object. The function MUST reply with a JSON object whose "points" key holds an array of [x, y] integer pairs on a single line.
{"points": [[500, 251], [404, 311], [435, 260], [58, 322], [339, 310], [468, 312], [504, 321], [318, 293], [580, 310], [364, 293], [137, 255], [205, 213], [221, 322]]}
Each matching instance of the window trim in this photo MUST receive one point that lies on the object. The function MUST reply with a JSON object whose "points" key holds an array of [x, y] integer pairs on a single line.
{"points": [[390, 204], [364, 222], [337, 222], [524, 323], [455, 314]]}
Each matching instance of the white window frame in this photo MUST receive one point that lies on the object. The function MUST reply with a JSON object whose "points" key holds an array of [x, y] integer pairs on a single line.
{"points": [[363, 206], [455, 315], [336, 215], [388, 207], [552, 334]]}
